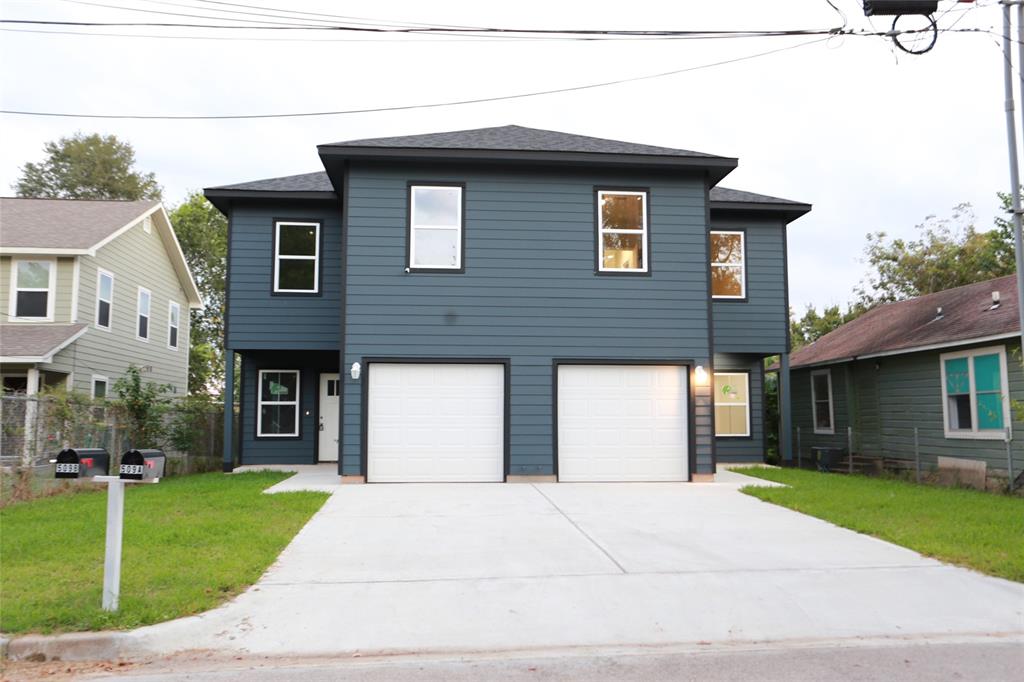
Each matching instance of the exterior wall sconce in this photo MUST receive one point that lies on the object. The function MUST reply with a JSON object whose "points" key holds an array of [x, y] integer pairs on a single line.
{"points": [[356, 371], [701, 375]]}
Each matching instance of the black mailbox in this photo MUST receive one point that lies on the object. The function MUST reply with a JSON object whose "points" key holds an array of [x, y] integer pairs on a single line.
{"points": [[68, 464], [142, 465], [891, 8], [93, 462]]}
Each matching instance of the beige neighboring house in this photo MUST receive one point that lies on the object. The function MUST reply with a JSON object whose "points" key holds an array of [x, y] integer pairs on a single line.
{"points": [[88, 288]]}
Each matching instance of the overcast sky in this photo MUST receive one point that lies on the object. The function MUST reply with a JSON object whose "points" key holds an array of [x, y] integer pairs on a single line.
{"points": [[875, 139]]}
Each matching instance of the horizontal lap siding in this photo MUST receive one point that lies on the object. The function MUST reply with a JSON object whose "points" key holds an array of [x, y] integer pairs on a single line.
{"points": [[529, 292], [759, 324], [800, 386], [752, 448]]}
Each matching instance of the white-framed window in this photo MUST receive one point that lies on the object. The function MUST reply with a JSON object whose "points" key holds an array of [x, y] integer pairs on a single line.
{"points": [[622, 231], [732, 404], [100, 385], [145, 305], [296, 257], [728, 264], [975, 399], [173, 324], [277, 411], [147, 225], [822, 411], [104, 299], [33, 286], [435, 227]]}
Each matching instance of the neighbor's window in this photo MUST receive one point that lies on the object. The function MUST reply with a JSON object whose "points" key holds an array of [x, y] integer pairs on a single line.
{"points": [[975, 402], [278, 409], [99, 387], [435, 227], [144, 305], [732, 404], [728, 265], [622, 231], [104, 298], [821, 401], [32, 292], [296, 257], [173, 317]]}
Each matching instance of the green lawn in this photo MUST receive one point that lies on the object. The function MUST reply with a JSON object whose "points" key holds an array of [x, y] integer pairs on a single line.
{"points": [[979, 530], [190, 543]]}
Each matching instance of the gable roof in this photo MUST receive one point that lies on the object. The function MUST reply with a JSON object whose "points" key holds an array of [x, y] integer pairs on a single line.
{"points": [[81, 227], [36, 342], [913, 325]]}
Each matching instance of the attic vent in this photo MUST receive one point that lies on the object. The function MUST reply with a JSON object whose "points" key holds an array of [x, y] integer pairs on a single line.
{"points": [[995, 300], [938, 313]]}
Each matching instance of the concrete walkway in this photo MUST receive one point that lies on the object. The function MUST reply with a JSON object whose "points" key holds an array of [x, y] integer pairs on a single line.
{"points": [[322, 478], [491, 567]]}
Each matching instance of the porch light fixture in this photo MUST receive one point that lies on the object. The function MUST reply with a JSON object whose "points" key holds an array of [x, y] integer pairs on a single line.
{"points": [[701, 375], [355, 371]]}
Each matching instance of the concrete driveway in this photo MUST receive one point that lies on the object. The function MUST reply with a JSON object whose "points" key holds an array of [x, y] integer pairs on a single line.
{"points": [[492, 567]]}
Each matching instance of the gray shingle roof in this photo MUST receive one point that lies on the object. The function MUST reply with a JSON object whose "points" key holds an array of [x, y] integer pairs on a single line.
{"points": [[35, 340], [724, 194], [64, 223], [518, 138]]}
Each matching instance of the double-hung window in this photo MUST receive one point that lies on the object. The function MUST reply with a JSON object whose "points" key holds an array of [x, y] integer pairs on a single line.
{"points": [[296, 257], [732, 404], [821, 401], [99, 387], [104, 299], [728, 264], [145, 304], [975, 400], [32, 289], [173, 323], [435, 227], [622, 231], [277, 414]]}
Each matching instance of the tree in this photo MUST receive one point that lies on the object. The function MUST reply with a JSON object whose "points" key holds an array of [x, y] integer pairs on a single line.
{"points": [[143, 407], [202, 232], [87, 167], [813, 326]]}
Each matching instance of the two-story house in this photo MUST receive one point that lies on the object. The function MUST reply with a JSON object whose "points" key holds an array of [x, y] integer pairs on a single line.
{"points": [[504, 304], [89, 288]]}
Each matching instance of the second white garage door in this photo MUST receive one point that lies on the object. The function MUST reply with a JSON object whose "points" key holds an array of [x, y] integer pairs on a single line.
{"points": [[622, 423], [435, 422]]}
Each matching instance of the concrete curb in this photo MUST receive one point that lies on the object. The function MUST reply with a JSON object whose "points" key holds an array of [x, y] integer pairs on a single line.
{"points": [[75, 646]]}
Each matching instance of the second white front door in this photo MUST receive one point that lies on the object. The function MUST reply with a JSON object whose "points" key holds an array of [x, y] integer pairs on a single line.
{"points": [[330, 387]]}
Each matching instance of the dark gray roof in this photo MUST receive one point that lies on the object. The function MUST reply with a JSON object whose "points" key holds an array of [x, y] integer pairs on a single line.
{"points": [[64, 223], [35, 340], [306, 182], [518, 138], [724, 194]]}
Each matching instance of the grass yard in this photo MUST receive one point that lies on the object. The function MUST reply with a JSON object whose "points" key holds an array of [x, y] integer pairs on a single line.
{"points": [[966, 527], [190, 543]]}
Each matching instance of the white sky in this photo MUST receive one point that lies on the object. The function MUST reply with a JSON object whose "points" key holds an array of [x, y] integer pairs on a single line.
{"points": [[874, 140]]}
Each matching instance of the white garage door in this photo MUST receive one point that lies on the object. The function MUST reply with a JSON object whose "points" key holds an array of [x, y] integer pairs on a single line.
{"points": [[435, 422], [622, 423]]}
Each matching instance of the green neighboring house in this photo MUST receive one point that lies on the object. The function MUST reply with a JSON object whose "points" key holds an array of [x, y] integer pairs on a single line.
{"points": [[947, 364], [88, 288]]}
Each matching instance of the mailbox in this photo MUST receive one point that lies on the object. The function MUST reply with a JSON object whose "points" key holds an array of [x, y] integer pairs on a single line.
{"points": [[68, 464], [93, 462], [142, 465]]}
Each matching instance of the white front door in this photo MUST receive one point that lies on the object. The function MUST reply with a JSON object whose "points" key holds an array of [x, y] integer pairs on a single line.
{"points": [[330, 387]]}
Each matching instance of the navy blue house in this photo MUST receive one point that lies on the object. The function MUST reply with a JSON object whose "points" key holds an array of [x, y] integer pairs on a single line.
{"points": [[504, 304]]}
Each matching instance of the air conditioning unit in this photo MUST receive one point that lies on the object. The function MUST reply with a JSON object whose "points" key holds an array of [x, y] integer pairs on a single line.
{"points": [[881, 8]]}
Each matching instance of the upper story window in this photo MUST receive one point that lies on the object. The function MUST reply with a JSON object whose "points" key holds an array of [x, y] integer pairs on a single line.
{"points": [[296, 257], [435, 227], [821, 401], [145, 303], [622, 231], [732, 404], [728, 264], [975, 400], [32, 289], [173, 321], [104, 299]]}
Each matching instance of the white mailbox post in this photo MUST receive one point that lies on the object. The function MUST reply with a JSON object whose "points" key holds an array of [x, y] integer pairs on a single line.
{"points": [[115, 532]]}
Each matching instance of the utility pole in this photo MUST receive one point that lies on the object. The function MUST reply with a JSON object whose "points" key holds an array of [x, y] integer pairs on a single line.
{"points": [[1011, 139]]}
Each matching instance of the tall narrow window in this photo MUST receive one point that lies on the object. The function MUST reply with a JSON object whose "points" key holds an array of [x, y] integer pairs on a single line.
{"points": [[32, 289], [145, 304], [821, 401], [99, 387], [732, 404], [435, 227], [622, 231], [104, 299], [278, 409], [173, 315], [728, 265], [976, 403], [296, 258]]}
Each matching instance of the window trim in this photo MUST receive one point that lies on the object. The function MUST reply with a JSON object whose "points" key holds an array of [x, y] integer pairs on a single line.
{"points": [[100, 272], [599, 268], [175, 307], [276, 256], [297, 403], [746, 378], [92, 386], [51, 290], [831, 404], [742, 265], [139, 315], [975, 433], [410, 241]]}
